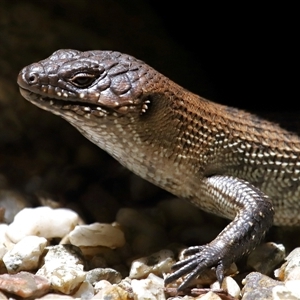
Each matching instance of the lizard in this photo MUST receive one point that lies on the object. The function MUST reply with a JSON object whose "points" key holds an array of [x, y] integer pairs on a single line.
{"points": [[224, 160]]}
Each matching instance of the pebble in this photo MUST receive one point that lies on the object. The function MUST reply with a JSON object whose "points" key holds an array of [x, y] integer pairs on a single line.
{"points": [[25, 255], [96, 275], [3, 297], [266, 257], [36, 221], [24, 284], [85, 291], [104, 245], [151, 288], [110, 291], [52, 296], [63, 267], [229, 285], [97, 234], [258, 286], [289, 291], [290, 270], [210, 296], [157, 263]]}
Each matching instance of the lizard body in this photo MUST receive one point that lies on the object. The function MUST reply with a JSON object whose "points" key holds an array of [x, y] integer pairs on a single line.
{"points": [[224, 160]]}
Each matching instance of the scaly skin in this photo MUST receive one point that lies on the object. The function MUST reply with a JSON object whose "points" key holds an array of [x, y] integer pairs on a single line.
{"points": [[224, 160]]}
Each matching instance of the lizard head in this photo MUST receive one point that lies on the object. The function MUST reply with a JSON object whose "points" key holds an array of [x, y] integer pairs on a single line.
{"points": [[116, 101], [91, 84]]}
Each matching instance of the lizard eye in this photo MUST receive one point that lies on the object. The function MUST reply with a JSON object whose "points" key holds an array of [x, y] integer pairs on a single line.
{"points": [[83, 80]]}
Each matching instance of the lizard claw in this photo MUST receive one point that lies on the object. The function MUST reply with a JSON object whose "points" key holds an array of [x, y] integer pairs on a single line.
{"points": [[202, 258]]}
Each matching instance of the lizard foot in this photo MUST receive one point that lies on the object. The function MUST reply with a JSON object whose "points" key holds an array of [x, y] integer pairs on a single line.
{"points": [[200, 258]]}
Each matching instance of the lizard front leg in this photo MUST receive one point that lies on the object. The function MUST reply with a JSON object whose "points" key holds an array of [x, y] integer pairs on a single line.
{"points": [[252, 214]]}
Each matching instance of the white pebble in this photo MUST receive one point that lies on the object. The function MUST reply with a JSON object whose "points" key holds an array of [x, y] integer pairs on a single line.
{"points": [[157, 263], [63, 268], [151, 288], [25, 255], [289, 291], [97, 234], [85, 291], [231, 287], [42, 221]]}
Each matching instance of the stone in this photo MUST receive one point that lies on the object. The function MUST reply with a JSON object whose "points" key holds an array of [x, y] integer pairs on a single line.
{"points": [[24, 284], [151, 288], [95, 275], [290, 270], [266, 257], [63, 267], [210, 296], [290, 291], [157, 263], [85, 291], [258, 286], [25, 255], [97, 234], [52, 296], [105, 290], [229, 285], [36, 221]]}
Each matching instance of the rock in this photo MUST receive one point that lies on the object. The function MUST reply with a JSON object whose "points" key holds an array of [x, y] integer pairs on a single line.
{"points": [[25, 255], [125, 284], [229, 285], [290, 291], [85, 291], [3, 251], [290, 270], [24, 284], [150, 288], [266, 257], [111, 292], [210, 296], [63, 267], [99, 274], [258, 286], [36, 221], [52, 296], [97, 234], [157, 263]]}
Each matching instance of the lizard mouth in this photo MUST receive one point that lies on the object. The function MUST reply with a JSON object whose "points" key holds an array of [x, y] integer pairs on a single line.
{"points": [[61, 107]]}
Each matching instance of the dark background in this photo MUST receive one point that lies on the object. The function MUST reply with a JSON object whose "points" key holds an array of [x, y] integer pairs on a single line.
{"points": [[248, 53]]}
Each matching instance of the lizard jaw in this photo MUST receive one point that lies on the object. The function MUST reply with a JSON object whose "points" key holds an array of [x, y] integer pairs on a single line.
{"points": [[58, 107]]}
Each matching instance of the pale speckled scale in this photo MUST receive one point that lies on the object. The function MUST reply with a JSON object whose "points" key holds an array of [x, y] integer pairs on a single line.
{"points": [[224, 160]]}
